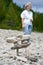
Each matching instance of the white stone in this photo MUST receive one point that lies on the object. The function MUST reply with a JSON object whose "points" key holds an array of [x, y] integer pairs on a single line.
{"points": [[26, 64], [11, 39], [25, 36], [21, 58]]}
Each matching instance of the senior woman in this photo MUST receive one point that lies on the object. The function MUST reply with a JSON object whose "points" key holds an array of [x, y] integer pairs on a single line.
{"points": [[27, 18]]}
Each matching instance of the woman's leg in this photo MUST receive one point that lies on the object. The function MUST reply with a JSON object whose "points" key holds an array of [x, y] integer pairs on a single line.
{"points": [[25, 29], [29, 29]]}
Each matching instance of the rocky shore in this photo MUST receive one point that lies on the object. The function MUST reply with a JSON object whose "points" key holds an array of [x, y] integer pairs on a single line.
{"points": [[9, 57]]}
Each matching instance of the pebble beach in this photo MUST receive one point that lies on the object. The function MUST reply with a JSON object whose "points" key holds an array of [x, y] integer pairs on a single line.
{"points": [[9, 57]]}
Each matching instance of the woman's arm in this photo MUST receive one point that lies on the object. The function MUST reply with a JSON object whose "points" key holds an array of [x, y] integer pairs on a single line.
{"points": [[31, 17], [22, 22]]}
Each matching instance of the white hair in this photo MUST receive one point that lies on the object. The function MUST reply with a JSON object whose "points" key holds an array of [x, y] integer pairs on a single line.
{"points": [[28, 3]]}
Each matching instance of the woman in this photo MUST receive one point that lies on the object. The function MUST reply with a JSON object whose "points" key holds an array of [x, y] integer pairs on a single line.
{"points": [[27, 18]]}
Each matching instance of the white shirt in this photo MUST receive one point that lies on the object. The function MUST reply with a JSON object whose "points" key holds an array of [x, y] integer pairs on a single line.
{"points": [[27, 15]]}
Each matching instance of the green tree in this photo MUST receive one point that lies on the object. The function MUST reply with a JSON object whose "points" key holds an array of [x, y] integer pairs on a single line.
{"points": [[2, 10]]}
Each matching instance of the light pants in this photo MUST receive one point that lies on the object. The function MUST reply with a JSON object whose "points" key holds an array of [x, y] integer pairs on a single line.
{"points": [[27, 30]]}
